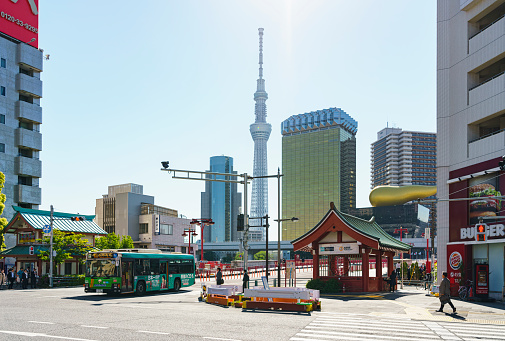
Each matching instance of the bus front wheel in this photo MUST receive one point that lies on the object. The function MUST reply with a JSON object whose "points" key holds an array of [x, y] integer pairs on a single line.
{"points": [[141, 288], [177, 284]]}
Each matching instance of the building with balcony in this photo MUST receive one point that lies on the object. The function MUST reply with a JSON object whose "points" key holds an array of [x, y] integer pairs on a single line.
{"points": [[319, 167], [401, 158], [20, 120], [127, 211], [471, 140]]}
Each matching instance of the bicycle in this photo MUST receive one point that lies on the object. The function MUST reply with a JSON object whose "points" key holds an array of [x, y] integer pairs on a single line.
{"points": [[464, 290]]}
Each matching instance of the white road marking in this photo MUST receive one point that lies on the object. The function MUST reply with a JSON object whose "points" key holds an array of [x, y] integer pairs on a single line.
{"points": [[41, 322], [42, 335], [218, 338], [98, 327], [149, 332]]}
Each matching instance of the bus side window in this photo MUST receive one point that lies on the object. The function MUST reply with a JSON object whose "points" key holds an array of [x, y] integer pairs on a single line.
{"points": [[155, 267], [138, 268], [146, 267], [173, 268]]}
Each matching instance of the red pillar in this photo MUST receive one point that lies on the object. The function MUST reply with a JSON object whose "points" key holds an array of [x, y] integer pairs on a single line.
{"points": [[346, 266], [378, 265], [364, 268], [390, 256], [315, 260]]}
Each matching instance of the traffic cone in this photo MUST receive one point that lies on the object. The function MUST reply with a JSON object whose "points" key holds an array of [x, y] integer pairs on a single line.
{"points": [[471, 292]]}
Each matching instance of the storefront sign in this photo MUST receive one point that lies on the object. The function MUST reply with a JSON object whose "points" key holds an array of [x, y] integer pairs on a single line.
{"points": [[455, 257], [156, 224], [20, 19], [492, 231], [339, 249]]}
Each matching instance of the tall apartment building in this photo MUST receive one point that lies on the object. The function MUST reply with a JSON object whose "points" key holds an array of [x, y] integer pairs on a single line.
{"points": [[319, 167], [221, 202], [401, 158], [20, 111], [471, 140]]}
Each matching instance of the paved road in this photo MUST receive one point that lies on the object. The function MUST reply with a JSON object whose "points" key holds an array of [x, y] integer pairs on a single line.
{"points": [[71, 314]]}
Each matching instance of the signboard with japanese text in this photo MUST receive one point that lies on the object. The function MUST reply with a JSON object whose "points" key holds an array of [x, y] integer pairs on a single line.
{"points": [[20, 20], [157, 224], [339, 249]]}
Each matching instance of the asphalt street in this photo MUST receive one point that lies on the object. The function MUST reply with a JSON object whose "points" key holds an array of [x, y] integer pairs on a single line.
{"points": [[71, 314]]}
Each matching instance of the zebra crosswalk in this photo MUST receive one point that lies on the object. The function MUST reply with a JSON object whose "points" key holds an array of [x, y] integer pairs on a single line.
{"points": [[353, 327]]}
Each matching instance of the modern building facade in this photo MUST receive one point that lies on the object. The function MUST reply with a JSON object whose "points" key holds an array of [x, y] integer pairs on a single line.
{"points": [[319, 167], [260, 132], [221, 202], [20, 114], [127, 211], [471, 135], [401, 158]]}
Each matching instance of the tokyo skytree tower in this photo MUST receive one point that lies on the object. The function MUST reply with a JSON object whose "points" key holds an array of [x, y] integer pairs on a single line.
{"points": [[260, 132]]}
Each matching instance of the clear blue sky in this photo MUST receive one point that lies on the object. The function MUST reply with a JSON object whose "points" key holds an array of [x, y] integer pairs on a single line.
{"points": [[131, 83]]}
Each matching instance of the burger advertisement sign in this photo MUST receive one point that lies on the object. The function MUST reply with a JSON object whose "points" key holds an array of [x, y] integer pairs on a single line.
{"points": [[484, 205]]}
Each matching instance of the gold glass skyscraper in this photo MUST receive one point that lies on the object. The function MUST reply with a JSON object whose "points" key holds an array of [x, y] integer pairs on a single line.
{"points": [[319, 167]]}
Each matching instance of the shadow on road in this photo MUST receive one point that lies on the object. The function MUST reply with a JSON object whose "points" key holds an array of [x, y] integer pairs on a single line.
{"points": [[93, 297]]}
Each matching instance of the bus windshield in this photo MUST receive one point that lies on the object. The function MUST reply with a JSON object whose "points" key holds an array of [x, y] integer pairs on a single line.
{"points": [[101, 268]]}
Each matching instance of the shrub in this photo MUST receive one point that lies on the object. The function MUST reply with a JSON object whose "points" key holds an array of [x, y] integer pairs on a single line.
{"points": [[325, 287]]}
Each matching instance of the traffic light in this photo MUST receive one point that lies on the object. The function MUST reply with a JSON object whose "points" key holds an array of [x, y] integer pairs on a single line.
{"points": [[240, 222], [31, 251], [480, 232], [78, 218]]}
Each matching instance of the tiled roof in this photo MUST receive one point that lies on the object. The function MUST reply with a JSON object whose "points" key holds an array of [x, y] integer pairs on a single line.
{"points": [[23, 250], [61, 221]]}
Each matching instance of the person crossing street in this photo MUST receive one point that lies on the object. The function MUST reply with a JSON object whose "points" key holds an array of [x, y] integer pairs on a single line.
{"points": [[445, 294]]}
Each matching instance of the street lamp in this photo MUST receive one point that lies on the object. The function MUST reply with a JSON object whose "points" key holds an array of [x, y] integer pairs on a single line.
{"points": [[294, 219], [190, 233], [202, 223]]}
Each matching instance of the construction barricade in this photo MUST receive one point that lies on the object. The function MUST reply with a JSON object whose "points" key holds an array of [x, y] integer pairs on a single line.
{"points": [[285, 299], [224, 295]]}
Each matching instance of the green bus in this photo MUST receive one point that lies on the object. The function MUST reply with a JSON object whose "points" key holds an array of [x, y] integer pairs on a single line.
{"points": [[137, 271]]}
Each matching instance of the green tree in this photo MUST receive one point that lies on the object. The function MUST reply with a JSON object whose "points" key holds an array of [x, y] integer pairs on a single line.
{"points": [[126, 242], [228, 258], [210, 256], [66, 246], [110, 241], [3, 221], [239, 256]]}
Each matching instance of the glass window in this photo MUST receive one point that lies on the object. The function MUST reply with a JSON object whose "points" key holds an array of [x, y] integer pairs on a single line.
{"points": [[166, 229], [68, 268], [2, 118], [2, 90], [144, 228], [155, 266], [2, 148], [3, 62]]}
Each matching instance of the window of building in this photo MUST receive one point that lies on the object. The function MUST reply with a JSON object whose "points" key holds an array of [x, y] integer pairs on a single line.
{"points": [[143, 228], [2, 118], [27, 99], [24, 180], [25, 152], [3, 63], [166, 229], [2, 148], [2, 90], [24, 205], [68, 268], [26, 125], [27, 72]]}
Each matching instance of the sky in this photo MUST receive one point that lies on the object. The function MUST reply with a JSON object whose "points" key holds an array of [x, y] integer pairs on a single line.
{"points": [[129, 84]]}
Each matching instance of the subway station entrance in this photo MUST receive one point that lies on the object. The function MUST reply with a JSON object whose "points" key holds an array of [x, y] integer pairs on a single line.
{"points": [[356, 252]]}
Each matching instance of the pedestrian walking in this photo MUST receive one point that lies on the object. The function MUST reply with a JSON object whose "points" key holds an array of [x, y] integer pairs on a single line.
{"points": [[444, 294], [33, 279], [19, 278], [245, 281], [24, 280], [3, 278], [11, 277], [219, 277], [392, 281]]}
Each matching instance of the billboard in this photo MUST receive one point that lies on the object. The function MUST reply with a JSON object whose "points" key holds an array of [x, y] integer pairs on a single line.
{"points": [[20, 19], [481, 188]]}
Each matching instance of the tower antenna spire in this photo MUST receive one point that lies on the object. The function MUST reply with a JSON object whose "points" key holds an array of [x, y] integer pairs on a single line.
{"points": [[260, 32]]}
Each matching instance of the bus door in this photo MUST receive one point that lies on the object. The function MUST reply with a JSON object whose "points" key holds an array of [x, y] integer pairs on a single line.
{"points": [[164, 274], [126, 276]]}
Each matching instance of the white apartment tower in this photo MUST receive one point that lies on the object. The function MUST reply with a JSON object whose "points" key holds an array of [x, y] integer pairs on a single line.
{"points": [[471, 140], [401, 158]]}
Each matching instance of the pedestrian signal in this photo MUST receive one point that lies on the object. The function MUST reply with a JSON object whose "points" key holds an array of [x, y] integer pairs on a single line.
{"points": [[31, 250], [78, 218], [480, 232]]}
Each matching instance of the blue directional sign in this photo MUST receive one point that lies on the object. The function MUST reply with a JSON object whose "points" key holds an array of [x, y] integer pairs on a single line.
{"points": [[47, 229]]}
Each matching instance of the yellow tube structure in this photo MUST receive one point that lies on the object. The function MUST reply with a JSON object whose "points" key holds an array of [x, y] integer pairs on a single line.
{"points": [[396, 195]]}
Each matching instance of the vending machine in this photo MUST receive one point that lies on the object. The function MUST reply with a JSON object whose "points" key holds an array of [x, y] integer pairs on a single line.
{"points": [[482, 280]]}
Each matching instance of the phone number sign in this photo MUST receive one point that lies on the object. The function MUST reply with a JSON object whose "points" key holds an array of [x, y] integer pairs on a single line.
{"points": [[20, 19]]}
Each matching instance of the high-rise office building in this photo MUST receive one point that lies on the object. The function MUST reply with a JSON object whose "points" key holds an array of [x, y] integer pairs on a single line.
{"points": [[20, 111], [221, 203], [319, 167], [471, 135], [260, 132], [402, 158]]}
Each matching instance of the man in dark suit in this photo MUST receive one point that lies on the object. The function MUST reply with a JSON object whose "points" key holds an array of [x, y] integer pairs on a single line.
{"points": [[24, 279], [11, 276]]}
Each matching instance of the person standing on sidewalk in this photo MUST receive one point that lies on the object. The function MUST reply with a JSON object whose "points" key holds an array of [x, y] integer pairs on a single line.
{"points": [[3, 278], [245, 281], [11, 276], [445, 294], [219, 277]]}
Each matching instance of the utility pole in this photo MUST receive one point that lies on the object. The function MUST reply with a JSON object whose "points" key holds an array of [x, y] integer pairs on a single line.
{"points": [[51, 220]]}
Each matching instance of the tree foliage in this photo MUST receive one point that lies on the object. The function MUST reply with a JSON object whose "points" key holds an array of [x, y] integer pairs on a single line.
{"points": [[112, 241], [239, 256], [262, 255], [66, 246], [3, 221]]}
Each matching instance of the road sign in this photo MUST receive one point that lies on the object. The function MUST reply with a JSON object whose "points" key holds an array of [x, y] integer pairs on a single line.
{"points": [[47, 229], [427, 232]]}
